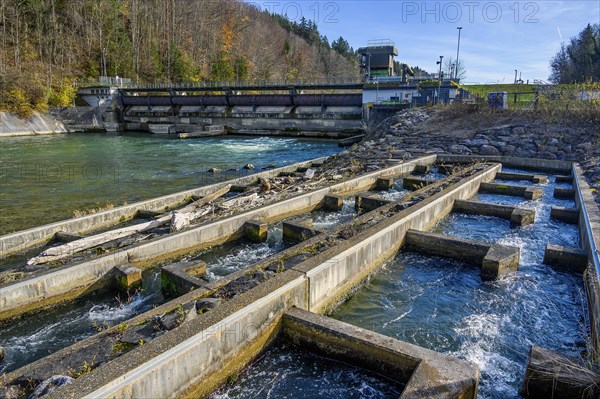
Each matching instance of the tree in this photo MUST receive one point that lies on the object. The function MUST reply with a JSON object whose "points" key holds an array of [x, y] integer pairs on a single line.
{"points": [[342, 46], [450, 69], [579, 61]]}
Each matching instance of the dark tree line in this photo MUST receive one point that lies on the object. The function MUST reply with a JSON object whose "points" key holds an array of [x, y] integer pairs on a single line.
{"points": [[308, 30], [578, 61]]}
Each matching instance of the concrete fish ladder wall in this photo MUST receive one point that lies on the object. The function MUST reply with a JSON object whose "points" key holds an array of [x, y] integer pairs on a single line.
{"points": [[74, 280], [211, 348]]}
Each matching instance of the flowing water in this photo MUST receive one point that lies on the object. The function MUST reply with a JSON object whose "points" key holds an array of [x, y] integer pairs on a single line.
{"points": [[35, 336], [287, 371], [40, 334], [444, 305], [236, 255], [46, 178]]}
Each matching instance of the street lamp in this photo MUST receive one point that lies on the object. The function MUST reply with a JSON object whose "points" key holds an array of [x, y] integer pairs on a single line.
{"points": [[439, 77], [457, 50]]}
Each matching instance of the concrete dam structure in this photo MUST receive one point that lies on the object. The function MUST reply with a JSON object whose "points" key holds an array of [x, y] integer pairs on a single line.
{"points": [[334, 110], [214, 319]]}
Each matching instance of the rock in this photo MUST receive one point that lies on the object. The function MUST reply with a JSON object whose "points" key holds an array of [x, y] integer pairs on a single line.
{"points": [[488, 150], [265, 184], [204, 304], [553, 141], [133, 335], [169, 321], [50, 385], [177, 316], [248, 166], [1, 354], [546, 155], [11, 392], [214, 170], [518, 130], [475, 142], [261, 275], [508, 150], [459, 149], [309, 174], [270, 166], [98, 353], [584, 146]]}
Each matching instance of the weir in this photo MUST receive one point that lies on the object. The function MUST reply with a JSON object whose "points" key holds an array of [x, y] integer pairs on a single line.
{"points": [[322, 110], [232, 319]]}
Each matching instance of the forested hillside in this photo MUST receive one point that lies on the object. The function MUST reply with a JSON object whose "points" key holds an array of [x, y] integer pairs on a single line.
{"points": [[49, 44]]}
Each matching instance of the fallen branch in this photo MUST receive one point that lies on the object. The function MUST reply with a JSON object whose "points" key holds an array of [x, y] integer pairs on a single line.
{"points": [[63, 251]]}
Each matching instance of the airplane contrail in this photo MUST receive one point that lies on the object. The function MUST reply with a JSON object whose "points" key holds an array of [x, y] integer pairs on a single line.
{"points": [[559, 34]]}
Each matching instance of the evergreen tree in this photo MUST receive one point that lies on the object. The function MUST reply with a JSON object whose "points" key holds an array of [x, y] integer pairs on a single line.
{"points": [[579, 61]]}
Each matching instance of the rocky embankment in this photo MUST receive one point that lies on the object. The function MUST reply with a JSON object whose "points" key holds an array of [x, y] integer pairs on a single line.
{"points": [[415, 132]]}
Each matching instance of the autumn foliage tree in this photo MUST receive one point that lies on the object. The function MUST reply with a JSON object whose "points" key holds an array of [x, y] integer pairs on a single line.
{"points": [[50, 46]]}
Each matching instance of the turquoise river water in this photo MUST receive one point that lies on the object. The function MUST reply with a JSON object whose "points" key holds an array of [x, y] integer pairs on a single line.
{"points": [[46, 178]]}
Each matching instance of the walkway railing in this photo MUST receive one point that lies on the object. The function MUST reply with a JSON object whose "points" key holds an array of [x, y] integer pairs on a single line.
{"points": [[245, 83]]}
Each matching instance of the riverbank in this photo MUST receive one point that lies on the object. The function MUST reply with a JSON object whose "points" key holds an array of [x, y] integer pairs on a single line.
{"points": [[11, 125], [451, 130]]}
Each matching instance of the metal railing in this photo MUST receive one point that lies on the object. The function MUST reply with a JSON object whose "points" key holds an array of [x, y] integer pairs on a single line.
{"points": [[245, 83]]}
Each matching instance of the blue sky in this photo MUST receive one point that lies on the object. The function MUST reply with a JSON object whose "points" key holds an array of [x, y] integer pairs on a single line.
{"points": [[497, 36]]}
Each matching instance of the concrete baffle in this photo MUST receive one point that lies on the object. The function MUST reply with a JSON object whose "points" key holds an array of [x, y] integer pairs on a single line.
{"points": [[522, 176], [564, 193], [552, 375], [333, 203], [517, 216], [499, 260], [565, 258], [368, 203], [128, 277], [299, 231], [495, 260], [563, 214], [564, 179], [530, 193], [384, 183], [421, 169], [256, 231], [415, 183], [181, 278]]}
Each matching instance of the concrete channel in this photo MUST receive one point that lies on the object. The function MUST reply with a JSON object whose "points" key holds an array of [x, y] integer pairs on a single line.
{"points": [[308, 280]]}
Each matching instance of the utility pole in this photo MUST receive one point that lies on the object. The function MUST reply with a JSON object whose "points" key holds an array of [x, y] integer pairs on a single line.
{"points": [[457, 51]]}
